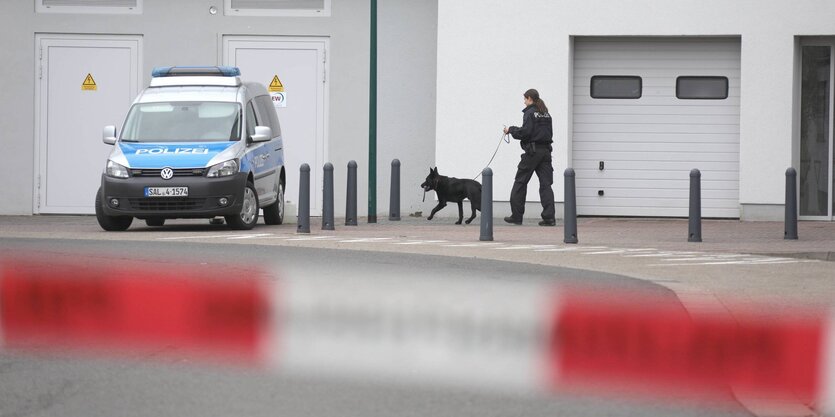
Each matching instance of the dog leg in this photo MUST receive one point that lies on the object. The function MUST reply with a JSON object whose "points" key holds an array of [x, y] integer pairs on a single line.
{"points": [[460, 212], [441, 204], [472, 205]]}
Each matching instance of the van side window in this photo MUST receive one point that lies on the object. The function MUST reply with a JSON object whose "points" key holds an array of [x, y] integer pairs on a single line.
{"points": [[266, 114], [251, 121]]}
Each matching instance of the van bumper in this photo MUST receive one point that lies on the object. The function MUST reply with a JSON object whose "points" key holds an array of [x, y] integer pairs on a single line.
{"points": [[203, 201]]}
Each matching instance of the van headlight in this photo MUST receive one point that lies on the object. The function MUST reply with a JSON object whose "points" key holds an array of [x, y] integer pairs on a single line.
{"points": [[223, 169], [116, 170]]}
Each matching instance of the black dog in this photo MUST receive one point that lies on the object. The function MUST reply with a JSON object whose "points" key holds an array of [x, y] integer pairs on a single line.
{"points": [[454, 190]]}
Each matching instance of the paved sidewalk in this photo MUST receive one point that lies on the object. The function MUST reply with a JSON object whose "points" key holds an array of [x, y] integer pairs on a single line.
{"points": [[816, 239]]}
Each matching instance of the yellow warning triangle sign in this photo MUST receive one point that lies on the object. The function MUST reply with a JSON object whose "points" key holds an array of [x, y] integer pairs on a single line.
{"points": [[276, 86], [89, 83]]}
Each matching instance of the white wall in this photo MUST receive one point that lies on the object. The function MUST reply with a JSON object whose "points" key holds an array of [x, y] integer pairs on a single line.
{"points": [[490, 51], [406, 54]]}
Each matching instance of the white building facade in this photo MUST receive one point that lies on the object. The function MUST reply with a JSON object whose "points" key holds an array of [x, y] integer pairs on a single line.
{"points": [[641, 93]]}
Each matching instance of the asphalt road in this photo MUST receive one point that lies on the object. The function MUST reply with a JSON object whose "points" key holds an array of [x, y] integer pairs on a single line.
{"points": [[39, 382]]}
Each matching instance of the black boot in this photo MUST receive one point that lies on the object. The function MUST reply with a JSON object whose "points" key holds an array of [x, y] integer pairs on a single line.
{"points": [[512, 220], [548, 222]]}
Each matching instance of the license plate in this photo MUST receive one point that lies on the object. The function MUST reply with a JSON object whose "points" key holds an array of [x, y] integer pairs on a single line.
{"points": [[166, 191]]}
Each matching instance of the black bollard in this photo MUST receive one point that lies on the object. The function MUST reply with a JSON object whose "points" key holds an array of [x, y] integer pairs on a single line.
{"points": [[570, 207], [486, 205], [695, 223], [327, 198], [303, 225], [394, 199], [790, 230], [351, 199]]}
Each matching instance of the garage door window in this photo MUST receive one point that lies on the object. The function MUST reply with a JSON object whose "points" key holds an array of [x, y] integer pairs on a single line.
{"points": [[702, 88], [616, 86]]}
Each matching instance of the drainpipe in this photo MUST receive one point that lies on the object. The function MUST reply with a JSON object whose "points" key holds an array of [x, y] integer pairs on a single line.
{"points": [[372, 120]]}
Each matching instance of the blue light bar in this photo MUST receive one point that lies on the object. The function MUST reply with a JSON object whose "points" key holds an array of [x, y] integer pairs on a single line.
{"points": [[218, 71]]}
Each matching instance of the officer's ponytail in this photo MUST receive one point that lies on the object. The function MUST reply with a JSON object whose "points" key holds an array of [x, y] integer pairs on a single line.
{"points": [[534, 95]]}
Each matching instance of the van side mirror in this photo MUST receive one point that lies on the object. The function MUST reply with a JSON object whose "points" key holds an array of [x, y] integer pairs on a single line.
{"points": [[262, 134], [108, 135]]}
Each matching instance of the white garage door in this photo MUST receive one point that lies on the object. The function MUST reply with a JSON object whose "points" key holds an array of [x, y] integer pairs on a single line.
{"points": [[663, 107]]}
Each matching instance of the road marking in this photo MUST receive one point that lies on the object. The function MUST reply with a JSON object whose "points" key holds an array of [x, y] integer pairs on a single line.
{"points": [[618, 251], [198, 237], [718, 257], [653, 255], [519, 247], [754, 260], [473, 245], [573, 248], [419, 242], [366, 240], [249, 236], [730, 263], [313, 238]]}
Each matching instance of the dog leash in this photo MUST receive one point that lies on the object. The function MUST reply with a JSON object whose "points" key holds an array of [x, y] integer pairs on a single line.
{"points": [[506, 138]]}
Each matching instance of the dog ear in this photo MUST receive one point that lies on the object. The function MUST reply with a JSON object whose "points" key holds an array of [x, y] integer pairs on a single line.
{"points": [[435, 170]]}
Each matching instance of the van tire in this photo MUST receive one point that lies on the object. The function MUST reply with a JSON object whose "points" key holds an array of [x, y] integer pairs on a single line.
{"points": [[248, 216], [274, 213], [155, 221], [110, 223]]}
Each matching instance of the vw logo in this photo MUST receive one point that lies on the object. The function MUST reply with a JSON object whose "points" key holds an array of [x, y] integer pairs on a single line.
{"points": [[166, 173]]}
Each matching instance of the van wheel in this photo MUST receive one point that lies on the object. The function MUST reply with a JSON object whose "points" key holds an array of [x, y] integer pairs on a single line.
{"points": [[248, 216], [155, 221], [274, 213], [110, 223]]}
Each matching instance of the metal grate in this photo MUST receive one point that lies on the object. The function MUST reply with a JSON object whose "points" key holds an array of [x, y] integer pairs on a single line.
{"points": [[89, 6], [178, 172], [167, 204], [89, 3], [277, 7], [278, 4]]}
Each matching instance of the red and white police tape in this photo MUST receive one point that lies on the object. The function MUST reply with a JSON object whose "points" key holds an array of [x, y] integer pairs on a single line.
{"points": [[510, 336]]}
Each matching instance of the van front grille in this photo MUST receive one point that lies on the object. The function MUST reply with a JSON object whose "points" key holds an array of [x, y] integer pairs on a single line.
{"points": [[167, 204], [178, 172]]}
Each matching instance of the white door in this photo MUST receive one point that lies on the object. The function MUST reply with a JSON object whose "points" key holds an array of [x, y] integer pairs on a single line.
{"points": [[299, 64], [634, 144], [84, 83]]}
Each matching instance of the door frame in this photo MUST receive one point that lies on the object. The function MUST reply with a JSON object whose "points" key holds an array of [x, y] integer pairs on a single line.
{"points": [[830, 42], [43, 41], [323, 116]]}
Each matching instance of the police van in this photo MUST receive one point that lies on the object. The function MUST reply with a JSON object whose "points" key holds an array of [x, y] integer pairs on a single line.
{"points": [[196, 143]]}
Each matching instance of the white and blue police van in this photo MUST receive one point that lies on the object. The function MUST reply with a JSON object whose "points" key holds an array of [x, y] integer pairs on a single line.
{"points": [[196, 143]]}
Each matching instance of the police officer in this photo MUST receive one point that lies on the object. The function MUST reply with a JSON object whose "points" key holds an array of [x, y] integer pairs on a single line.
{"points": [[535, 136]]}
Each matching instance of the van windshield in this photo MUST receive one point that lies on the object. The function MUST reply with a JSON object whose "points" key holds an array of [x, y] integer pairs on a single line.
{"points": [[183, 121]]}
